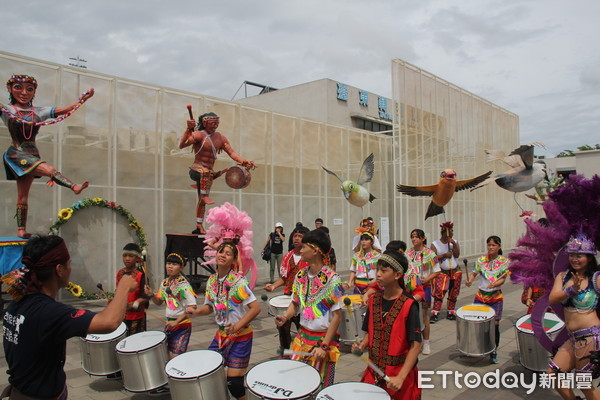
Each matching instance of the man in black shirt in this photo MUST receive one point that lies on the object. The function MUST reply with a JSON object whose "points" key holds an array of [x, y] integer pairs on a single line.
{"points": [[36, 326]]}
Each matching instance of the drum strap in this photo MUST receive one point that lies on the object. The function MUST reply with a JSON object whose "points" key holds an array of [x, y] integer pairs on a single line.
{"points": [[383, 331]]}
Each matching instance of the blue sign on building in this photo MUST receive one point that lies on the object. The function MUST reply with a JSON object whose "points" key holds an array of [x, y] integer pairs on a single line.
{"points": [[383, 109], [363, 98], [342, 91]]}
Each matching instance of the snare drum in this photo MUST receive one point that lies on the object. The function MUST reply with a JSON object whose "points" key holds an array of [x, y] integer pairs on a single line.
{"points": [[142, 358], [531, 353], [352, 316], [282, 379], [237, 177], [198, 374], [98, 352], [475, 330], [354, 391], [278, 305]]}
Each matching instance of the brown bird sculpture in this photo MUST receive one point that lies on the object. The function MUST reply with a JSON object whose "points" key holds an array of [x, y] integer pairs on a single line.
{"points": [[442, 192]]}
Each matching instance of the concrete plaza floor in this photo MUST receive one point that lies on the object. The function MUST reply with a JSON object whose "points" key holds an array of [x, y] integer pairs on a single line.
{"points": [[443, 357]]}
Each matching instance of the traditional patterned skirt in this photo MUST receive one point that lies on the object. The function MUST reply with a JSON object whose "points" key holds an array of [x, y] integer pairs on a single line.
{"points": [[235, 348], [493, 299], [361, 285], [305, 341], [178, 338], [19, 161]]}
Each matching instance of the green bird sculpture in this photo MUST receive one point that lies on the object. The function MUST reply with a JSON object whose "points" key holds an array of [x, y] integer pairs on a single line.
{"points": [[355, 192]]}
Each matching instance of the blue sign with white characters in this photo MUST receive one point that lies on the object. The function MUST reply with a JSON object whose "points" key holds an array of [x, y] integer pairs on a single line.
{"points": [[342, 91], [363, 98]]}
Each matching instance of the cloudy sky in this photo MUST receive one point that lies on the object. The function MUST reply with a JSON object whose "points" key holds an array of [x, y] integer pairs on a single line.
{"points": [[539, 59]]}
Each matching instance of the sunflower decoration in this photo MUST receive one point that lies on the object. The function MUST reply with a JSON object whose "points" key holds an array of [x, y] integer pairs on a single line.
{"points": [[65, 214], [74, 289]]}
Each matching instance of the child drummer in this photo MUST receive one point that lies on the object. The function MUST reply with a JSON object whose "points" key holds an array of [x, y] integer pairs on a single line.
{"points": [[227, 292], [315, 296], [292, 263], [177, 292], [393, 329]]}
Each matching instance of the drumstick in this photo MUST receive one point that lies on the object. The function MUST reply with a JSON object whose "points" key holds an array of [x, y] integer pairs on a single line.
{"points": [[287, 352], [374, 367], [164, 321], [99, 286], [189, 108]]}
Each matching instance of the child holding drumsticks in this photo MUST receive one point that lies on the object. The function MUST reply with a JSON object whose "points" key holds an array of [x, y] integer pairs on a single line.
{"points": [[315, 296], [393, 331], [177, 292], [493, 268], [227, 292]]}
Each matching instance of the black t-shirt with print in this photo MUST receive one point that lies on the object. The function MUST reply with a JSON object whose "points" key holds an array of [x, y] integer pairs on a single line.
{"points": [[276, 243], [413, 323], [36, 329]]}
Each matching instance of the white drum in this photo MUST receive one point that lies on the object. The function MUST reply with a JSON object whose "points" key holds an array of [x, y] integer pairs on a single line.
{"points": [[282, 379], [198, 374], [142, 358], [98, 351], [353, 391], [350, 328], [279, 304], [531, 353], [475, 330]]}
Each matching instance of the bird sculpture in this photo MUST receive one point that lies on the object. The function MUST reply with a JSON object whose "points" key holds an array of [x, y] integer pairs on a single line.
{"points": [[525, 173], [442, 192], [354, 192]]}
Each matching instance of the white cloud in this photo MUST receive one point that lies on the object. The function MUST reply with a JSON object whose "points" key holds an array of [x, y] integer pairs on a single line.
{"points": [[535, 58]]}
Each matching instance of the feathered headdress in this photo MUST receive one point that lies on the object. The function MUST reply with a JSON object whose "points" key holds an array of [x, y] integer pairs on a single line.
{"points": [[571, 209], [227, 221]]}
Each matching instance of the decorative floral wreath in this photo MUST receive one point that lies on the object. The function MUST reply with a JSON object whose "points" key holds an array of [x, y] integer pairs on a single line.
{"points": [[65, 215]]}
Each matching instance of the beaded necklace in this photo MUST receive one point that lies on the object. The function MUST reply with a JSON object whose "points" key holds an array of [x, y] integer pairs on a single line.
{"points": [[21, 119]]}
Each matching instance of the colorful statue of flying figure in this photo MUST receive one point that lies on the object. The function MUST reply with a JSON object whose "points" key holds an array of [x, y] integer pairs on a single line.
{"points": [[22, 160], [355, 192], [442, 192]]}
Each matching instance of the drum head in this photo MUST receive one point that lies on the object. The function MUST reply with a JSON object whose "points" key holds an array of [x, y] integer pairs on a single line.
{"points": [[193, 364], [107, 337], [353, 390], [282, 301], [283, 379], [551, 323], [141, 341], [475, 312], [237, 177]]}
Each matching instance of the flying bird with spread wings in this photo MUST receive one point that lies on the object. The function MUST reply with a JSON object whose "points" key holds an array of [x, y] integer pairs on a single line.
{"points": [[525, 172], [355, 192], [442, 192]]}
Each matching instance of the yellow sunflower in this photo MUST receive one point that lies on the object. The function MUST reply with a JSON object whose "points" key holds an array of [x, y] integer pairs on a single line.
{"points": [[65, 213], [74, 289], [97, 199]]}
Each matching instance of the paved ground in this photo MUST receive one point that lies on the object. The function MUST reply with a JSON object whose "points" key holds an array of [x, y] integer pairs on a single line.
{"points": [[444, 356]]}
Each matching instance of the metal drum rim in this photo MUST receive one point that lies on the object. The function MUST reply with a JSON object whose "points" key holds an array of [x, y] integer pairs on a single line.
{"points": [[556, 330], [143, 350], [303, 396], [221, 364]]}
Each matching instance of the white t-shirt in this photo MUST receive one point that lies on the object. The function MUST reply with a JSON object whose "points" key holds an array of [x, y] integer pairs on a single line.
{"points": [[236, 313], [190, 300], [322, 323], [447, 263]]}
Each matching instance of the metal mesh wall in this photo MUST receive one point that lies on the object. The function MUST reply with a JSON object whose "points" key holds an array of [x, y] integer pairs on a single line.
{"points": [[442, 126], [125, 141]]}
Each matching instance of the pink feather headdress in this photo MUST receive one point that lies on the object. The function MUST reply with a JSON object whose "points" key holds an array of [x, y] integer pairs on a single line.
{"points": [[227, 221]]}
